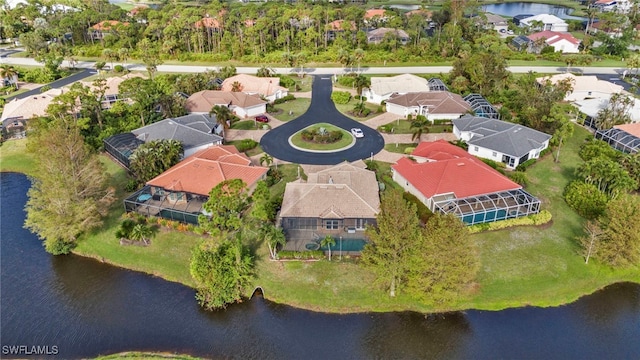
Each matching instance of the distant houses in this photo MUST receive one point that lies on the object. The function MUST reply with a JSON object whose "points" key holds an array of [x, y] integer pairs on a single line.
{"points": [[544, 22], [382, 88], [562, 42], [583, 87]]}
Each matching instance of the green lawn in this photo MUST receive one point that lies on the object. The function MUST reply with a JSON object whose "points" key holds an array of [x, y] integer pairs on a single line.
{"points": [[13, 157], [346, 139], [249, 125], [255, 151], [291, 109], [347, 108], [402, 126], [399, 148]]}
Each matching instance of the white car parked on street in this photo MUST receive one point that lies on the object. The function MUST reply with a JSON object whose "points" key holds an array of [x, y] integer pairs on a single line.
{"points": [[357, 132]]}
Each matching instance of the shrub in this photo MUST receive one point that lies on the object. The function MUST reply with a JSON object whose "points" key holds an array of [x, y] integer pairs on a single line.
{"points": [[525, 165], [519, 177], [321, 135], [494, 164], [540, 218], [284, 99], [287, 81], [118, 68], [346, 80], [341, 97], [132, 185], [301, 255], [246, 145], [585, 199], [409, 150], [423, 211]]}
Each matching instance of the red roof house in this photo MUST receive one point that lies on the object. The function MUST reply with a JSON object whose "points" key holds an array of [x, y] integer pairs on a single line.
{"points": [[560, 41], [448, 179]]}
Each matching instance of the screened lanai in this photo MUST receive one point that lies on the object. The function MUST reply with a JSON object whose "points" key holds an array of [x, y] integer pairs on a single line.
{"points": [[619, 140], [481, 106], [489, 207], [179, 206], [121, 147], [436, 84]]}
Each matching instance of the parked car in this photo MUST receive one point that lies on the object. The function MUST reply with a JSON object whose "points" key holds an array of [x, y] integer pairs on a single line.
{"points": [[262, 119], [357, 132]]}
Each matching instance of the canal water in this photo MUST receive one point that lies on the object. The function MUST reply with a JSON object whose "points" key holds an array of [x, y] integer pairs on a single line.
{"points": [[82, 308]]}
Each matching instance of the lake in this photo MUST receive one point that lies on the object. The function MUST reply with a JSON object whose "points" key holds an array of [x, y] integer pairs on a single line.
{"points": [[515, 8], [84, 308]]}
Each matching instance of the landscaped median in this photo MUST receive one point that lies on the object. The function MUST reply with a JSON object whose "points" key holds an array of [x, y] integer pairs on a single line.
{"points": [[322, 137]]}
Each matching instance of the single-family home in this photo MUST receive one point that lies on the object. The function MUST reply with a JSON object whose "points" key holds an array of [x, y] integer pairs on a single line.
{"points": [[517, 18], [500, 141], [337, 27], [625, 138], [591, 108], [180, 192], [383, 87], [583, 87], [521, 43], [435, 105], [30, 106], [375, 17], [104, 28], [265, 87], [241, 104], [544, 22], [493, 21], [425, 14], [195, 132], [339, 201], [606, 28], [376, 36], [111, 88], [563, 42], [449, 180]]}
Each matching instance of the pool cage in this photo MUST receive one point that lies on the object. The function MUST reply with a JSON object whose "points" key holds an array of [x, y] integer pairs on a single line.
{"points": [[619, 140], [436, 84], [182, 207], [121, 146], [481, 106], [490, 207]]}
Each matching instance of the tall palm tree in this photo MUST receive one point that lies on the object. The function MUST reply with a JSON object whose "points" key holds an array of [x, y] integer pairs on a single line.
{"points": [[361, 82], [264, 71], [328, 241], [141, 232], [9, 73], [358, 56], [223, 116], [273, 237], [236, 86], [419, 126]]}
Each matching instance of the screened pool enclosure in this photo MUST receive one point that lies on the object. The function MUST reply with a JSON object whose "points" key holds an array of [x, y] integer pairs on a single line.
{"points": [[121, 146], [489, 207], [619, 140], [178, 206]]}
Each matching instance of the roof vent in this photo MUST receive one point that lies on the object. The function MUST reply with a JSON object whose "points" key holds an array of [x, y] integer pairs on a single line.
{"points": [[460, 164]]}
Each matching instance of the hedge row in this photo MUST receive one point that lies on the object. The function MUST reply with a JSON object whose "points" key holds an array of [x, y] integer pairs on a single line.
{"points": [[540, 218]]}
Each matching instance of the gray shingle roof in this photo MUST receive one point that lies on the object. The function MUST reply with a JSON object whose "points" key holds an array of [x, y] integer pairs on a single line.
{"points": [[191, 130], [501, 136]]}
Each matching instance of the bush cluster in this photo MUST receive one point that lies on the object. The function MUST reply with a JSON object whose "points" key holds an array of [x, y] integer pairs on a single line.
{"points": [[246, 145], [540, 218], [320, 137], [284, 99], [301, 255], [346, 80], [340, 97]]}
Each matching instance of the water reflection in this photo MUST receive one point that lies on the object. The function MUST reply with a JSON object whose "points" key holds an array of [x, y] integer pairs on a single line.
{"points": [[88, 308]]}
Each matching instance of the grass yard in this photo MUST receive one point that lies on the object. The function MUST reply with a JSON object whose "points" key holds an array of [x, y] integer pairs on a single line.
{"points": [[404, 127], [399, 148], [255, 151], [346, 139], [249, 125], [347, 108], [291, 109], [14, 157]]}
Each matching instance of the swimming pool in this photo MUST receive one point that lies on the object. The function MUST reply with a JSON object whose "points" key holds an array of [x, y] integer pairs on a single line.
{"points": [[347, 245]]}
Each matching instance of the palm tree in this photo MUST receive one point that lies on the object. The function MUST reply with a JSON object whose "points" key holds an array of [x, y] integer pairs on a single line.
{"points": [[266, 159], [358, 56], [419, 126], [264, 71], [123, 55], [361, 82], [141, 232], [109, 55], [236, 86], [223, 116], [10, 74], [344, 58], [273, 237], [328, 241]]}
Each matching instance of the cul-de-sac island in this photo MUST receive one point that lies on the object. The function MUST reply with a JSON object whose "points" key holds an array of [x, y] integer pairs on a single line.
{"points": [[338, 156]]}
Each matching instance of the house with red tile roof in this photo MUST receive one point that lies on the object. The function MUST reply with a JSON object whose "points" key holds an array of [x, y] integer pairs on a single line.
{"points": [[375, 14], [435, 105], [449, 180], [104, 28], [339, 26], [560, 41], [239, 103], [180, 192]]}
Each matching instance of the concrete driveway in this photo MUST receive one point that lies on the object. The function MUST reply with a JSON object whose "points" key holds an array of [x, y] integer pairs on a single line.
{"points": [[276, 141]]}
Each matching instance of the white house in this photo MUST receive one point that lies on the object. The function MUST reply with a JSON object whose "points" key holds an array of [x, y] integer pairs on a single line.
{"points": [[383, 87], [591, 107], [621, 6], [584, 87], [435, 105], [241, 104], [267, 87], [548, 22], [560, 41], [500, 141]]}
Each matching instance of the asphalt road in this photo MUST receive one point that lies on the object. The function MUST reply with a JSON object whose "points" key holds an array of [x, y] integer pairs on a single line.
{"points": [[56, 84], [276, 141], [618, 81]]}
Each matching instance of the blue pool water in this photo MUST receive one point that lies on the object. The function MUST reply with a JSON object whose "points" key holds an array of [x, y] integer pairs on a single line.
{"points": [[347, 245]]}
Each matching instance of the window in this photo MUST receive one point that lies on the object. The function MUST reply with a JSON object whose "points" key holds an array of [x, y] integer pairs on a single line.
{"points": [[494, 154], [475, 148], [361, 224], [331, 224]]}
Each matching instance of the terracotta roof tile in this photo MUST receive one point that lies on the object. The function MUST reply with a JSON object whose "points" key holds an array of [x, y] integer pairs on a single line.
{"points": [[202, 171], [108, 24], [437, 102]]}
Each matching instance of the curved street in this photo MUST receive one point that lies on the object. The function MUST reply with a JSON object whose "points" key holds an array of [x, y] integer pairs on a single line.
{"points": [[276, 141]]}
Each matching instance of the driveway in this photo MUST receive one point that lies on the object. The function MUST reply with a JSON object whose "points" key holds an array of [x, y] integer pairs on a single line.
{"points": [[276, 141]]}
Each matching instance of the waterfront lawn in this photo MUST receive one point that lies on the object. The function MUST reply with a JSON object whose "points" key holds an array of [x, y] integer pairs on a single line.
{"points": [[291, 109], [14, 157]]}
